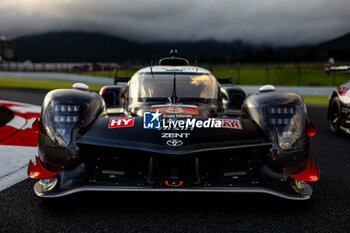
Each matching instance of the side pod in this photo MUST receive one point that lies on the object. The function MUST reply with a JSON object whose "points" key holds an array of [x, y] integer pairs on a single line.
{"points": [[37, 171]]}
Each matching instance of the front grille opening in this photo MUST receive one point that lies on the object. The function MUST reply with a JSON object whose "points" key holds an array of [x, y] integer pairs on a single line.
{"points": [[141, 168]]}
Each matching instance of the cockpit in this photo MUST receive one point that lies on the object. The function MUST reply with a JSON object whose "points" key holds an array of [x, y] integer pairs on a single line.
{"points": [[167, 86]]}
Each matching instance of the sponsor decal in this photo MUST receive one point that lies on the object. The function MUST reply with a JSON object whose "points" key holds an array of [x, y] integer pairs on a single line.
{"points": [[176, 110], [177, 121], [174, 142], [230, 123], [190, 124], [175, 135], [152, 120], [172, 69], [121, 122]]}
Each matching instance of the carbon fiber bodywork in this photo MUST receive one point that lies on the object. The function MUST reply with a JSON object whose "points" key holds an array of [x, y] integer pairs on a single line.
{"points": [[110, 147]]}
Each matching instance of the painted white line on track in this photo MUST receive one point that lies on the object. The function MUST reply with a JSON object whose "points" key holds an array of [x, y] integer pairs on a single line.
{"points": [[14, 162]]}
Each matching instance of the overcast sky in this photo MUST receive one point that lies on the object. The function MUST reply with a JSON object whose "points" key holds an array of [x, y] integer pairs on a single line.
{"points": [[276, 22]]}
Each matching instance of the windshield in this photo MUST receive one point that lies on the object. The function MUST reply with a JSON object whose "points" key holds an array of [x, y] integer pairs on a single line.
{"points": [[188, 85]]}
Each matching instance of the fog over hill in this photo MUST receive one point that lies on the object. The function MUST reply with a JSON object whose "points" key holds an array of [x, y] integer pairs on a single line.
{"points": [[83, 46]]}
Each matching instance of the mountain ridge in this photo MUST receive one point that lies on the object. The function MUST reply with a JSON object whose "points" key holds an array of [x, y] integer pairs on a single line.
{"points": [[92, 46]]}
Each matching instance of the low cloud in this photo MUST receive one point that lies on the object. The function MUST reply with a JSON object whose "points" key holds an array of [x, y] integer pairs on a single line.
{"points": [[272, 22]]}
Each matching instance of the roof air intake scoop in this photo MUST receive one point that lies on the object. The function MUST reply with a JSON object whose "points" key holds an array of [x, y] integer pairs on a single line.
{"points": [[81, 86], [173, 60], [267, 88]]}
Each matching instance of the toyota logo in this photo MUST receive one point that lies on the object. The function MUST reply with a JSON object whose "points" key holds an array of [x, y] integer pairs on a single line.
{"points": [[174, 142]]}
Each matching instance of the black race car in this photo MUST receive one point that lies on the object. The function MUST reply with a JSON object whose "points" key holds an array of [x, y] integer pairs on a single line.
{"points": [[339, 104], [173, 127]]}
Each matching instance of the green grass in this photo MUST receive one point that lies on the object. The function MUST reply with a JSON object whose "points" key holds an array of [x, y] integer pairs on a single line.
{"points": [[41, 84], [55, 84], [316, 100], [281, 76]]}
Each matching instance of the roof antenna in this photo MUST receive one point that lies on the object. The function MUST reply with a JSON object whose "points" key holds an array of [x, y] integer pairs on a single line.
{"points": [[174, 97], [174, 53], [150, 62]]}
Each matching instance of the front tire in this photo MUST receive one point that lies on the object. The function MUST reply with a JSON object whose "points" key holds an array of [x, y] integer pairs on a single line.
{"points": [[335, 115]]}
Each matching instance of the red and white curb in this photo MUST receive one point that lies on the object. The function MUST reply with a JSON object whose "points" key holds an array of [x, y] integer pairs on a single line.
{"points": [[18, 143]]}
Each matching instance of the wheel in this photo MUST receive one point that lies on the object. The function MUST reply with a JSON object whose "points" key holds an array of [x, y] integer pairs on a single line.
{"points": [[335, 115]]}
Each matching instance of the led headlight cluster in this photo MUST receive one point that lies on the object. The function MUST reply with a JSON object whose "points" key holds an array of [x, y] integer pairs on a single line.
{"points": [[60, 118], [281, 115], [66, 113], [289, 122]]}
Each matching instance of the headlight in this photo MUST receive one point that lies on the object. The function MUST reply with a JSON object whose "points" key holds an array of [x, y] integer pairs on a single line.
{"points": [[60, 118], [289, 123], [345, 99]]}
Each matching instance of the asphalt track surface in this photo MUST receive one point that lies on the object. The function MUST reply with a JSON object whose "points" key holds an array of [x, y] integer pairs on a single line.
{"points": [[327, 211]]}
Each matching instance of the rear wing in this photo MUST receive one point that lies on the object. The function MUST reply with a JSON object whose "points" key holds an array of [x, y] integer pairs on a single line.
{"points": [[120, 80], [329, 69]]}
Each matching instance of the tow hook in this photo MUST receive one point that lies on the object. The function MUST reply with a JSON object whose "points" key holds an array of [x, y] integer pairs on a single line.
{"points": [[173, 183], [174, 180]]}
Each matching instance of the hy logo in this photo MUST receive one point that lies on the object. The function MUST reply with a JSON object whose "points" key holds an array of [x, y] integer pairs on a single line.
{"points": [[152, 120]]}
